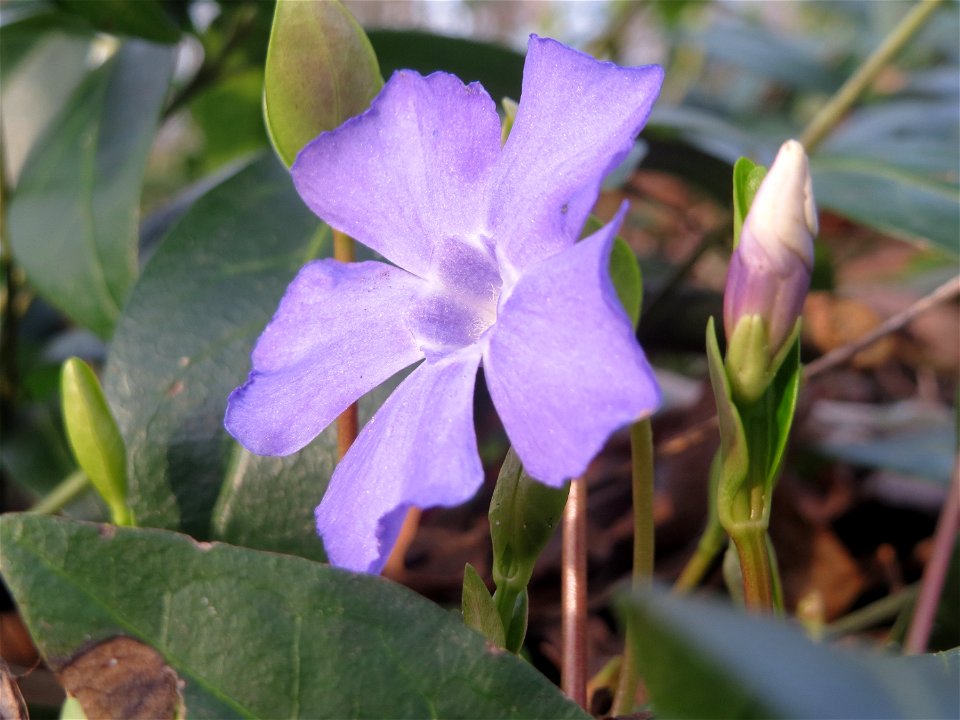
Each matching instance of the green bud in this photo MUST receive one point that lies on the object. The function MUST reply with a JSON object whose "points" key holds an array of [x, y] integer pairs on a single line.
{"points": [[524, 513], [95, 437]]}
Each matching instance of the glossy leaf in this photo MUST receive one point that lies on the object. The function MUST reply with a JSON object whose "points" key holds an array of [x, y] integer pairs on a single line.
{"points": [[94, 436], [498, 69], [73, 217], [479, 610], [899, 202], [144, 18], [184, 343], [747, 176], [742, 666], [255, 634], [320, 71]]}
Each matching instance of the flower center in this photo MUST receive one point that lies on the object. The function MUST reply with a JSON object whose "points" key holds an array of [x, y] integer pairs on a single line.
{"points": [[459, 302]]}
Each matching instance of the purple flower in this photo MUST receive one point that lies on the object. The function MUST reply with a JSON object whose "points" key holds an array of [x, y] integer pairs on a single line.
{"points": [[486, 269]]}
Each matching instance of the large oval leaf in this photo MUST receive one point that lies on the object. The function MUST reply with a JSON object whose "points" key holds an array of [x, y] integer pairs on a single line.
{"points": [[320, 71], [185, 338], [73, 216], [255, 634]]}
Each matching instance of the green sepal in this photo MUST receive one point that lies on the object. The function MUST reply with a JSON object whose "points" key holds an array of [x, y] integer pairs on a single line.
{"points": [[746, 363], [524, 513], [747, 176], [518, 622], [95, 437], [734, 459], [479, 610], [320, 71]]}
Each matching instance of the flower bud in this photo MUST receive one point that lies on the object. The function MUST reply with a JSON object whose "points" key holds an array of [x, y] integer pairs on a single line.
{"points": [[769, 272]]}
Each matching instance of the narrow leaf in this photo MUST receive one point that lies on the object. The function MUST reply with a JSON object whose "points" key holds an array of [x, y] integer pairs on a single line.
{"points": [[253, 634], [626, 278], [479, 610], [747, 176]]}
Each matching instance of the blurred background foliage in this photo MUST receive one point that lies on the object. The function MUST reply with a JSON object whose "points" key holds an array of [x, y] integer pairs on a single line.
{"points": [[118, 118]]}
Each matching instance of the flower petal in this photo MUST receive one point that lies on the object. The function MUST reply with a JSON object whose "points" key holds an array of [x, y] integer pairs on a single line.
{"points": [[420, 449], [563, 366], [577, 119], [338, 333], [408, 174]]}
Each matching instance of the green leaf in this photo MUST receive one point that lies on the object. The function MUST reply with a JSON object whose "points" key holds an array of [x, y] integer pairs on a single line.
{"points": [[94, 436], [320, 71], [184, 343], [255, 634], [742, 666], [626, 278], [906, 205], [230, 114], [479, 610], [145, 18], [747, 176], [41, 64], [73, 217], [498, 69]]}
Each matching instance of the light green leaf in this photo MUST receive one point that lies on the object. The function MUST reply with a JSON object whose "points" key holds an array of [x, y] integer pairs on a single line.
{"points": [[320, 71], [255, 634], [747, 176], [184, 343], [73, 217], [94, 436], [626, 278], [734, 665]]}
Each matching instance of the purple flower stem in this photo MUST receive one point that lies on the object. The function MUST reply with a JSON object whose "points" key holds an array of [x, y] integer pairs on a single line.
{"points": [[573, 611]]}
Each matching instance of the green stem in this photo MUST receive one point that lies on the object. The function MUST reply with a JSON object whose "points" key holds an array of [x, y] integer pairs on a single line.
{"points": [[831, 113], [874, 614], [712, 542], [74, 485], [641, 450], [751, 543]]}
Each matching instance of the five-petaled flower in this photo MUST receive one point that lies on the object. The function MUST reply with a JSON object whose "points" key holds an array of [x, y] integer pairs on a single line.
{"points": [[487, 268]]}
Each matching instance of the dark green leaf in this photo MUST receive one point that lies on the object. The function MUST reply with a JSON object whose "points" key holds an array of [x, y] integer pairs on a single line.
{"points": [[144, 18], [747, 176], [895, 201], [739, 666], [497, 68], [185, 338], [73, 217], [255, 634], [230, 114], [626, 278], [479, 610], [320, 71]]}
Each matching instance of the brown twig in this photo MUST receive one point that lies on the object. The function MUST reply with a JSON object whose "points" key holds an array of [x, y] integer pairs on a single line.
{"points": [[573, 673], [934, 575], [840, 355]]}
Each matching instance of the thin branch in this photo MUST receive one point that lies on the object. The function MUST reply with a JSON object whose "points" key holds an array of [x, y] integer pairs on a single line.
{"points": [[948, 290], [831, 113], [573, 673]]}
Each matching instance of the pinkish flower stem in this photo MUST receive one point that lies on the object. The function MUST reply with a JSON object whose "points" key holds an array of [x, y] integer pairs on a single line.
{"points": [[934, 575], [758, 583], [348, 424], [573, 672]]}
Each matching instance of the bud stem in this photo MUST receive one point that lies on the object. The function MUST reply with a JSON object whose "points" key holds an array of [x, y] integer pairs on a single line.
{"points": [[751, 543]]}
